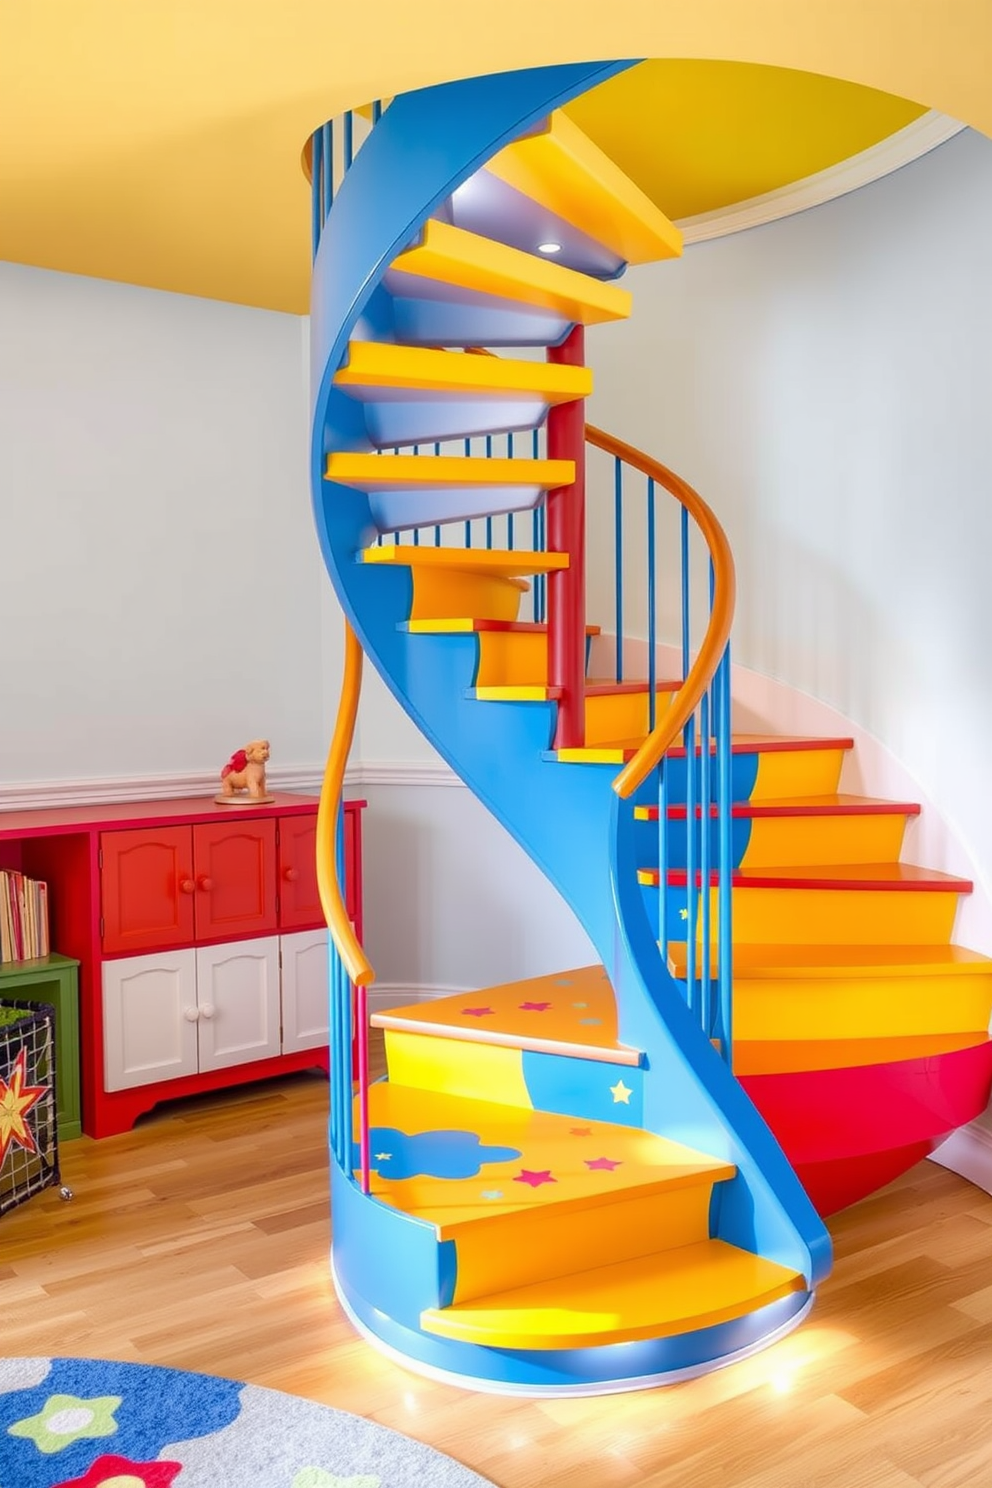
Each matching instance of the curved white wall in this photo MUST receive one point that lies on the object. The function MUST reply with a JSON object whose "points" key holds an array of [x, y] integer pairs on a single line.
{"points": [[826, 382]]}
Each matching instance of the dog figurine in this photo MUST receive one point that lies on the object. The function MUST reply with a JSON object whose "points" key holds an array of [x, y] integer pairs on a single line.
{"points": [[245, 771]]}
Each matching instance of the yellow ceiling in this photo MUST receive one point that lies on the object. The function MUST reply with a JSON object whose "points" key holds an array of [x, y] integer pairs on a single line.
{"points": [[158, 141], [701, 135]]}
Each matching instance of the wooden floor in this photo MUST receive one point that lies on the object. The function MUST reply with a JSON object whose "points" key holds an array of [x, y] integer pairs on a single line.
{"points": [[201, 1240]]}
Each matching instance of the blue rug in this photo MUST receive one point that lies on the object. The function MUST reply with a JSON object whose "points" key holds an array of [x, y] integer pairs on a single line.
{"points": [[84, 1423]]}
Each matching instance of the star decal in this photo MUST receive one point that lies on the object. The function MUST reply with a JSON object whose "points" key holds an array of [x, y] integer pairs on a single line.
{"points": [[491, 1193], [534, 1007], [621, 1095], [65, 1419], [603, 1164], [580, 1004], [590, 1022], [580, 1131], [111, 1471], [683, 914], [534, 1180], [383, 1156], [16, 1100], [563, 981], [482, 1012]]}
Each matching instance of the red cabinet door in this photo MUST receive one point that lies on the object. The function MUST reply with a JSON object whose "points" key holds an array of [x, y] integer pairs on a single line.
{"points": [[299, 901], [234, 867], [147, 889]]}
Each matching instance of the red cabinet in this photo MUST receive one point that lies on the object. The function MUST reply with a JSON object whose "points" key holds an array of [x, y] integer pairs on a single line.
{"points": [[147, 889], [176, 905], [299, 901]]}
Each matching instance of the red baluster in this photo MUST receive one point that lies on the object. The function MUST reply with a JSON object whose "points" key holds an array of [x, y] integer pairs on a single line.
{"points": [[566, 509]]}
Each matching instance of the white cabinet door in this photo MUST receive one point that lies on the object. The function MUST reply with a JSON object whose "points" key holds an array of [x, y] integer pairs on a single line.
{"points": [[305, 998], [150, 1019], [238, 1002]]}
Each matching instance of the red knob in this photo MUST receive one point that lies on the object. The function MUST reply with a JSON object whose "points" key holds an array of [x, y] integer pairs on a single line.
{"points": [[291, 875], [186, 886], [204, 883]]}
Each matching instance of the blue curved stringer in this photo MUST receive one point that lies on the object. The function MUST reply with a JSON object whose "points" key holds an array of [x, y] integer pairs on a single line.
{"points": [[568, 819]]}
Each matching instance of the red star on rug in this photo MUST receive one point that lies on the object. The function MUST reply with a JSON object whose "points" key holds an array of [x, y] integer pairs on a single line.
{"points": [[16, 1100], [534, 1180], [534, 1007], [605, 1164], [485, 1012], [106, 1470]]}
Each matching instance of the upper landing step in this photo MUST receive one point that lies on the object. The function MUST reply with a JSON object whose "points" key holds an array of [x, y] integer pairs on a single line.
{"points": [[560, 168]]}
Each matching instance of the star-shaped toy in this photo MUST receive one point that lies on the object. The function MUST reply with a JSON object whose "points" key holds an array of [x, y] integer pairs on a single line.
{"points": [[16, 1100], [483, 1012], [604, 1164], [534, 1180], [621, 1095], [534, 1007]]}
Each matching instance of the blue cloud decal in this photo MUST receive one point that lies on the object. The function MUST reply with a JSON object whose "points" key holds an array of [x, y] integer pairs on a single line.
{"points": [[434, 1154]]}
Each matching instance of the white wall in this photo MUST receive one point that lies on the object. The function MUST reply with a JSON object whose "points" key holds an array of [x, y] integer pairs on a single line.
{"points": [[161, 592], [826, 383]]}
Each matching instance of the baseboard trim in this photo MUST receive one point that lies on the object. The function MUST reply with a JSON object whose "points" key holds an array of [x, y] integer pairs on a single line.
{"points": [[969, 1153], [428, 773], [386, 995]]}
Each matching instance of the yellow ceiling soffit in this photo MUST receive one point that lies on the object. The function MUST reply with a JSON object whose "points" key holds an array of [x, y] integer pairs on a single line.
{"points": [[159, 142], [696, 136]]}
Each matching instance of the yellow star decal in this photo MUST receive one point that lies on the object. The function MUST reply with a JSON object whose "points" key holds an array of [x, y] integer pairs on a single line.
{"points": [[621, 1095], [16, 1100]]}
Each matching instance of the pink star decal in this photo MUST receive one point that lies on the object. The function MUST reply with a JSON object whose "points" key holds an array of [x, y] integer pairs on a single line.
{"points": [[112, 1469], [580, 1131], [534, 1007], [534, 1180], [485, 1012], [606, 1164]]}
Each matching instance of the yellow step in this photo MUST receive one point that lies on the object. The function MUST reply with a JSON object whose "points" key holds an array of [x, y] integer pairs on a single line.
{"points": [[573, 1152], [836, 991], [465, 261], [378, 367], [431, 472], [479, 583], [561, 168], [653, 1296]]}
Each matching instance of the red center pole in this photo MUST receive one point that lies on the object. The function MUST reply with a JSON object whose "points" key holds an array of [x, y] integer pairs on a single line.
{"points": [[566, 531]]}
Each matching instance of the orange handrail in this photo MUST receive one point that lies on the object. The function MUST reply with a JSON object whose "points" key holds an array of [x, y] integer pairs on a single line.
{"points": [[332, 900], [701, 673]]}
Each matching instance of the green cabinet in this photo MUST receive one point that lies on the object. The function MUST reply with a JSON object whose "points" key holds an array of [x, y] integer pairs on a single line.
{"points": [[53, 979]]}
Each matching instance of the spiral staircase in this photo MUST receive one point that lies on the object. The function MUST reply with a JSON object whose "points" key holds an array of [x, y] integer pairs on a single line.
{"points": [[610, 1177]]}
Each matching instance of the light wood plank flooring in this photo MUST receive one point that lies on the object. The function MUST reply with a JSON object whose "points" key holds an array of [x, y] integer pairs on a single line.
{"points": [[201, 1240]]}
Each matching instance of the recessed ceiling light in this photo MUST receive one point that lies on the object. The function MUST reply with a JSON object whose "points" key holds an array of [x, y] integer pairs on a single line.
{"points": [[549, 247]]}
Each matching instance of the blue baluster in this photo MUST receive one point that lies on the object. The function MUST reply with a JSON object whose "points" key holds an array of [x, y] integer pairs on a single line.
{"points": [[706, 1013], [349, 140], [327, 161], [618, 558], [652, 611], [376, 111], [725, 943], [316, 173]]}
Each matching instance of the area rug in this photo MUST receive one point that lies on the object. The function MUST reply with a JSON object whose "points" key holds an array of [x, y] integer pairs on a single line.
{"points": [[84, 1423]]}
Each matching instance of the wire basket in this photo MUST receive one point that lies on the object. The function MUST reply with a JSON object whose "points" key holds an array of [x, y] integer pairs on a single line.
{"points": [[29, 1149]]}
